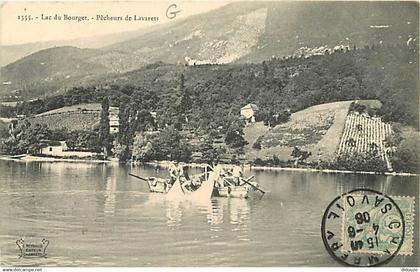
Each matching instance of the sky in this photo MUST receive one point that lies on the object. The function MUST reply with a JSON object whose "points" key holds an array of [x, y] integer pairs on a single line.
{"points": [[14, 29]]}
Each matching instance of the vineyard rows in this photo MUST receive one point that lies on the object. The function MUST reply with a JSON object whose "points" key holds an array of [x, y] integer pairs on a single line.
{"points": [[70, 120], [364, 134]]}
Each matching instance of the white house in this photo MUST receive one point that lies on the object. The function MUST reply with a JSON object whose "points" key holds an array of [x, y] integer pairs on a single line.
{"points": [[60, 149], [54, 148], [249, 111]]}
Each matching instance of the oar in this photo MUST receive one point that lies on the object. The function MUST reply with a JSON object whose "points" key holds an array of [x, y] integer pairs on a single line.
{"points": [[252, 185], [230, 183], [141, 178], [145, 179]]}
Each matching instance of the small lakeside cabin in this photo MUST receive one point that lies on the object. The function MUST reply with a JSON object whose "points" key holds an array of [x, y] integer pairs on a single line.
{"points": [[60, 149]]}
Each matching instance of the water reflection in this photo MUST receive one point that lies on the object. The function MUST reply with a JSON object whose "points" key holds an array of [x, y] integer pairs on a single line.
{"points": [[239, 210], [216, 212], [219, 212], [386, 185], [109, 195], [173, 214]]}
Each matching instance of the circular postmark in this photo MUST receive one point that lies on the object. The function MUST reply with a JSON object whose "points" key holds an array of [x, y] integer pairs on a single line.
{"points": [[363, 228]]}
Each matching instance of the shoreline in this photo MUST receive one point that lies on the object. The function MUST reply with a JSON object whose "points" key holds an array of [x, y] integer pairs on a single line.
{"points": [[278, 168], [30, 158], [329, 171], [164, 164]]}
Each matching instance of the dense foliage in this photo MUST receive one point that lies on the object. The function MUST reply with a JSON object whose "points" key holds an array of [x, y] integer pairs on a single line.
{"points": [[166, 144], [208, 94], [27, 138], [205, 98], [405, 158], [360, 162]]}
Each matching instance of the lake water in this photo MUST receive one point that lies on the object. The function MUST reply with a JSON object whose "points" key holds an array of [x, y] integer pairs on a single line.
{"points": [[97, 215]]}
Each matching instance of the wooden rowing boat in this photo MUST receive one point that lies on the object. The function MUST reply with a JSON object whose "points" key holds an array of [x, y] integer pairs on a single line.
{"points": [[157, 185], [176, 191], [205, 191], [237, 191], [233, 191]]}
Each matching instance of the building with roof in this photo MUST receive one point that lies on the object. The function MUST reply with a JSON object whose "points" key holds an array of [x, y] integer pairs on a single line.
{"points": [[249, 111], [60, 149], [114, 120]]}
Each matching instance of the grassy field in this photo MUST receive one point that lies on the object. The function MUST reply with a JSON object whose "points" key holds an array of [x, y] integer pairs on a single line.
{"points": [[75, 108], [77, 117], [69, 120], [317, 129], [252, 132]]}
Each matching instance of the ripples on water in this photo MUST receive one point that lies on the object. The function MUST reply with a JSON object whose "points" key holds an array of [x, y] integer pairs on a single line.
{"points": [[96, 215]]}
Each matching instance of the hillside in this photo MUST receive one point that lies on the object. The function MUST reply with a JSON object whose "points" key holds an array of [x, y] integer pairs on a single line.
{"points": [[342, 135], [241, 32], [90, 107], [71, 121], [317, 129], [217, 92], [77, 117], [12, 53], [252, 132], [48, 70], [256, 31]]}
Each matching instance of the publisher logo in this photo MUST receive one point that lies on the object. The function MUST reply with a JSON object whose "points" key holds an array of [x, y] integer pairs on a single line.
{"points": [[32, 249]]}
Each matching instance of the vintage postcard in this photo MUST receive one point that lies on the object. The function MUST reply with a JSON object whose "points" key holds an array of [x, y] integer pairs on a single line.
{"points": [[209, 134]]}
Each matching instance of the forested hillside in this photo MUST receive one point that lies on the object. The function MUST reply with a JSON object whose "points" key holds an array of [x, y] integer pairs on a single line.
{"points": [[204, 101], [386, 73]]}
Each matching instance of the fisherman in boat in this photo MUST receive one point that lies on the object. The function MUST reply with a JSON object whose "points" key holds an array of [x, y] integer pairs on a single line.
{"points": [[175, 172], [219, 172], [237, 174], [187, 183]]}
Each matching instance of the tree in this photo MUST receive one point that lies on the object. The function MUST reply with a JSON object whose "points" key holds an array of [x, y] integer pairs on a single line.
{"points": [[26, 138], [4, 130], [210, 154], [120, 151], [406, 157], [84, 140], [360, 162], [234, 136], [169, 145], [300, 155], [349, 88], [257, 143], [265, 69], [54, 102], [142, 148], [104, 133], [185, 103], [124, 138]]}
